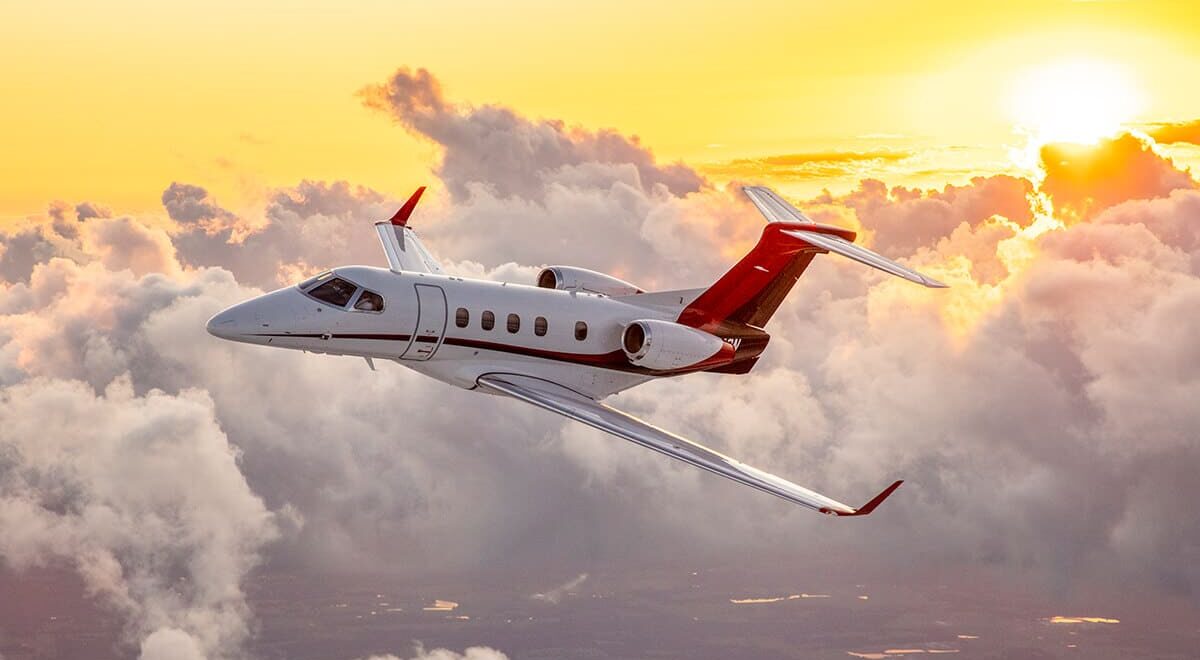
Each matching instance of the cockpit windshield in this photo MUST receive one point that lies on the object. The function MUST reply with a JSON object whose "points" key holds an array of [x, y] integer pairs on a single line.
{"points": [[336, 292], [307, 284]]}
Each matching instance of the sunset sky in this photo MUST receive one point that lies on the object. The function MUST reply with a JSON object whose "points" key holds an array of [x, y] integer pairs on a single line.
{"points": [[113, 100], [168, 496]]}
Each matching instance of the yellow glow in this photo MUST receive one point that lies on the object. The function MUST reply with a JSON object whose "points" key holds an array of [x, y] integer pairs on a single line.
{"points": [[968, 301], [441, 606], [1082, 619], [112, 101], [1075, 100]]}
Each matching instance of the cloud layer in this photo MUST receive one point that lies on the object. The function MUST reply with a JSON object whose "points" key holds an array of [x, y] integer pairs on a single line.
{"points": [[1042, 408]]}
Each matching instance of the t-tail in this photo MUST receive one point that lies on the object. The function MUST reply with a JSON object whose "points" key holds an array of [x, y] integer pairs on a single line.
{"points": [[738, 306]]}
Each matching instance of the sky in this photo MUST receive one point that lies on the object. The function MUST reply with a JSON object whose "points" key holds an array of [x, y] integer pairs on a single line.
{"points": [[249, 96], [175, 496]]}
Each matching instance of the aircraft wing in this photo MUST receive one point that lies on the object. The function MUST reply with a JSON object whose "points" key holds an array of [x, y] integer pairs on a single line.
{"points": [[569, 403]]}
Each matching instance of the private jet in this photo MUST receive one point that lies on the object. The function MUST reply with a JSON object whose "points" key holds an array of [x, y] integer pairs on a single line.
{"points": [[565, 343]]}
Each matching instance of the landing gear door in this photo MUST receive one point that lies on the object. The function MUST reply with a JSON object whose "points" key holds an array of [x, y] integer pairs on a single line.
{"points": [[431, 323]]}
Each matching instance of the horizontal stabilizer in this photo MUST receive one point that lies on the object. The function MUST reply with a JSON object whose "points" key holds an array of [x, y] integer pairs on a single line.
{"points": [[777, 210], [773, 207], [862, 255]]}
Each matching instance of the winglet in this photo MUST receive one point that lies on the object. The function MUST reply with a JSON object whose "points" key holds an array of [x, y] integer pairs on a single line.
{"points": [[869, 506], [401, 217]]}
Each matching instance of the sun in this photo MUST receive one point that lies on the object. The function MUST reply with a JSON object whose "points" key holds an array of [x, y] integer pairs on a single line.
{"points": [[1078, 100]]}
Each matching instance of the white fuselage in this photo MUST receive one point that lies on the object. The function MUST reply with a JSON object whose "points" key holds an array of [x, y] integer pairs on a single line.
{"points": [[423, 326]]}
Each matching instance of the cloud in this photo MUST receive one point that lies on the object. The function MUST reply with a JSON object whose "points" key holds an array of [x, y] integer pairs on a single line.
{"points": [[901, 220], [511, 153], [86, 210], [472, 653], [1083, 180], [190, 205], [1040, 408], [304, 229], [143, 496], [1187, 131], [807, 166]]}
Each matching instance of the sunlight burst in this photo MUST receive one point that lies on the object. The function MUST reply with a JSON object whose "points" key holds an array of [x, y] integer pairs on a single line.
{"points": [[1077, 100]]}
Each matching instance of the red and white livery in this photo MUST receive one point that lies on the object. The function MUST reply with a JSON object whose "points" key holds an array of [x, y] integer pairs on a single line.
{"points": [[565, 344]]}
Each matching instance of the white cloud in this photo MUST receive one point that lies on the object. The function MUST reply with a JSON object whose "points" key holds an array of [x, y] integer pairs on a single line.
{"points": [[1054, 432], [472, 653]]}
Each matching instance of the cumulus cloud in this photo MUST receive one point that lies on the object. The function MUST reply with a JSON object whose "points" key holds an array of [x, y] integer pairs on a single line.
{"points": [[1185, 131], [1086, 179], [143, 496], [472, 653], [304, 229], [900, 220], [1040, 408], [511, 154]]}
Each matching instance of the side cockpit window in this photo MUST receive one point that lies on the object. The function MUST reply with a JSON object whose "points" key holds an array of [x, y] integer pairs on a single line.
{"points": [[336, 292], [369, 301]]}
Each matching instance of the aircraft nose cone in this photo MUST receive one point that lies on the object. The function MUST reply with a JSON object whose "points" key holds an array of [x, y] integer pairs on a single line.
{"points": [[224, 325]]}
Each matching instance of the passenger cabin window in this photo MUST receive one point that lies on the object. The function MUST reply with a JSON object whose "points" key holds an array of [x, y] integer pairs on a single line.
{"points": [[336, 292], [304, 286], [462, 317], [539, 326], [487, 320], [514, 323], [580, 330], [369, 301]]}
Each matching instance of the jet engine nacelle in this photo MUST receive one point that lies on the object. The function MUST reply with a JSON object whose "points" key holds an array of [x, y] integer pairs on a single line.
{"points": [[570, 278], [667, 346]]}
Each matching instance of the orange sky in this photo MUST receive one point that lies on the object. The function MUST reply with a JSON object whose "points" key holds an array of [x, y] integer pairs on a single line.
{"points": [[111, 103]]}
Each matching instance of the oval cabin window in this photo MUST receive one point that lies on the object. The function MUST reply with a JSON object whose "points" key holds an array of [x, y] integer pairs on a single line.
{"points": [[462, 317], [514, 323], [487, 320], [580, 330], [540, 326]]}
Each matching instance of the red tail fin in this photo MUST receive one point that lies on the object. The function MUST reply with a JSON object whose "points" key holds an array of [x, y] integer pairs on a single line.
{"points": [[401, 217], [754, 288]]}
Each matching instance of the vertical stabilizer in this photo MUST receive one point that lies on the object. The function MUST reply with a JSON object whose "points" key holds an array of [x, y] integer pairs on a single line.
{"points": [[404, 250]]}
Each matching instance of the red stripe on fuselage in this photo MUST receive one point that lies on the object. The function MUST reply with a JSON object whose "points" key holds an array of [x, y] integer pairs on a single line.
{"points": [[614, 360]]}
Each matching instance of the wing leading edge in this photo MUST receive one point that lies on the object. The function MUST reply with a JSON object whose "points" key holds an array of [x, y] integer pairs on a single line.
{"points": [[571, 404]]}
